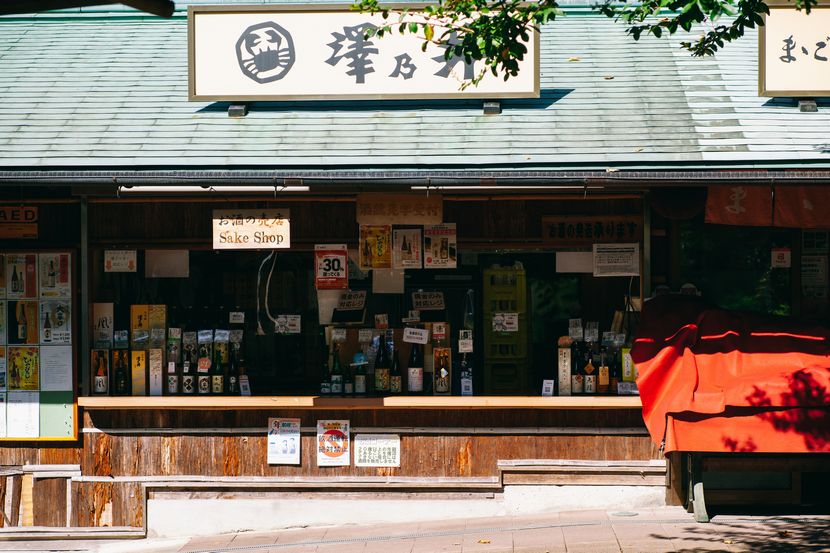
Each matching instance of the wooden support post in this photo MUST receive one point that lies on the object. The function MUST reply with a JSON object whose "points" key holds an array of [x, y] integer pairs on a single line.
{"points": [[14, 515]]}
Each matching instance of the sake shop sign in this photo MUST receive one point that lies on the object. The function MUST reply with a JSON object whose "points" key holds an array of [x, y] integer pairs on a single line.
{"points": [[794, 51], [302, 52], [250, 229]]}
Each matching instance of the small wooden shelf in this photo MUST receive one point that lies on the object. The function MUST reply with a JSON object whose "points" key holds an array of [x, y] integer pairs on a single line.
{"points": [[355, 403]]}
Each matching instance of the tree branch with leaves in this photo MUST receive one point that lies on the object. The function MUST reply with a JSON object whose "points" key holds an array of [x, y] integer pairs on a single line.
{"points": [[496, 32]]}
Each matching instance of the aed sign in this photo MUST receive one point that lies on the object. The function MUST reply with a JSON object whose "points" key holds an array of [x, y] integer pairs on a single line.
{"points": [[18, 222], [251, 229]]}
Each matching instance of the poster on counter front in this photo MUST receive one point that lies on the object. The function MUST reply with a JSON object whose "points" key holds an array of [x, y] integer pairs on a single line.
{"points": [[377, 450], [406, 251], [21, 275], [22, 322], [53, 270], [23, 368], [375, 247], [440, 249], [55, 325], [283, 441], [331, 262], [333, 443]]}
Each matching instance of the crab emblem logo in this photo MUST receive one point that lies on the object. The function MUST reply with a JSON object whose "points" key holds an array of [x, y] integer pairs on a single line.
{"points": [[265, 52]]}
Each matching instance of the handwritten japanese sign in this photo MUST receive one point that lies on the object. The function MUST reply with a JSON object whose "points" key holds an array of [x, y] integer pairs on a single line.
{"points": [[572, 230], [399, 209], [241, 229], [428, 301], [322, 52], [794, 52]]}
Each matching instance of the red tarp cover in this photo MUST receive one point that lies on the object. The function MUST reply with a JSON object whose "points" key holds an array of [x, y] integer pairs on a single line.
{"points": [[717, 380]]}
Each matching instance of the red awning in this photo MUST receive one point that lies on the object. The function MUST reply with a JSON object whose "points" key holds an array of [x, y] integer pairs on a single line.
{"points": [[717, 380]]}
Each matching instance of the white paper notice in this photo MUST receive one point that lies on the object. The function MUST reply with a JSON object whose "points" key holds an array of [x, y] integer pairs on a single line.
{"points": [[377, 450], [283, 441], [415, 335], [56, 368], [2, 415], [616, 260], [23, 415], [120, 261]]}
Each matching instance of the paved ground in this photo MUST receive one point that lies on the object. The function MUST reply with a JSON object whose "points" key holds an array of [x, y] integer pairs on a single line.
{"points": [[648, 531]]}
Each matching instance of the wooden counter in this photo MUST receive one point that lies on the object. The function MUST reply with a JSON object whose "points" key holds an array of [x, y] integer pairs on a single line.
{"points": [[358, 403]]}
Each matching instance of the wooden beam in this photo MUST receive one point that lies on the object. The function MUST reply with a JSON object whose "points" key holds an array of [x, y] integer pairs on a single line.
{"points": [[392, 402]]}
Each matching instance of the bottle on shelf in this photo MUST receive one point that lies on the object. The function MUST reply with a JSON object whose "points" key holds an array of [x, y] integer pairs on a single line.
{"points": [[442, 375], [359, 362], [603, 372], [348, 382], [217, 373], [577, 373], [233, 373], [395, 376], [120, 383], [336, 372], [325, 383], [382, 368], [615, 371], [590, 371], [415, 371], [101, 374]]}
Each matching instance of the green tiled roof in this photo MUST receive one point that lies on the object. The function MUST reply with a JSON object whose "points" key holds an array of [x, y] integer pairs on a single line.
{"points": [[90, 90]]}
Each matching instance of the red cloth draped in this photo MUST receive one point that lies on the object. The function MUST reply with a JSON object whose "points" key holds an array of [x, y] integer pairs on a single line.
{"points": [[739, 205], [717, 380], [802, 206]]}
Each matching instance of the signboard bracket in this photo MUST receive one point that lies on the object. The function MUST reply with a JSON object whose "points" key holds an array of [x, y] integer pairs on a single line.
{"points": [[807, 105], [492, 107], [237, 110]]}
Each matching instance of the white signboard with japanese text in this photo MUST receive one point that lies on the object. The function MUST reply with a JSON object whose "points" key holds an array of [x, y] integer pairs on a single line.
{"points": [[248, 229], [377, 450], [794, 52], [321, 52], [616, 260]]}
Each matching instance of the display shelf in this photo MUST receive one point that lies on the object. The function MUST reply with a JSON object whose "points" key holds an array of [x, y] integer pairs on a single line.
{"points": [[348, 403]]}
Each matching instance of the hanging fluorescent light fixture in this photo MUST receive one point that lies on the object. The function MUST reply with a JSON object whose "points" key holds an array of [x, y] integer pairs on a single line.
{"points": [[504, 188], [205, 190]]}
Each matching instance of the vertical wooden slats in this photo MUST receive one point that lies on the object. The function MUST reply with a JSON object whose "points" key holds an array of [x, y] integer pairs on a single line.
{"points": [[49, 501]]}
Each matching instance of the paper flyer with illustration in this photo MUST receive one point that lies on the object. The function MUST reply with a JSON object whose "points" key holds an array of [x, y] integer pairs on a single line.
{"points": [[406, 253], [23, 368], [375, 247], [22, 322], [283, 441], [21, 275], [440, 249], [55, 325], [54, 272]]}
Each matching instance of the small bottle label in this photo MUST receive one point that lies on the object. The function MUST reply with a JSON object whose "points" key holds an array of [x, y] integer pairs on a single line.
{"points": [[590, 383], [100, 384], [576, 384], [188, 386], [415, 382], [336, 384], [217, 384], [348, 388], [172, 384], [204, 384], [395, 384], [360, 383], [381, 380]]}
